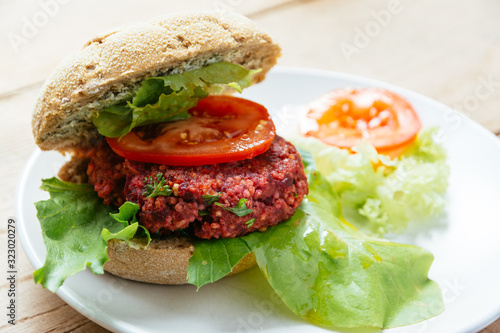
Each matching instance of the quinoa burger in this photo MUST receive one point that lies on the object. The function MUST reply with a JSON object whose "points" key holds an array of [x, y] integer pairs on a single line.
{"points": [[147, 116]]}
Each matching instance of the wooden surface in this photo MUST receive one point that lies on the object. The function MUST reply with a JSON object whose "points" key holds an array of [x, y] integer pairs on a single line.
{"points": [[446, 50]]}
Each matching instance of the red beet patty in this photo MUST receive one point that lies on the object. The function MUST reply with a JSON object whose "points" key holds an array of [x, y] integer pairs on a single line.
{"points": [[208, 198]]}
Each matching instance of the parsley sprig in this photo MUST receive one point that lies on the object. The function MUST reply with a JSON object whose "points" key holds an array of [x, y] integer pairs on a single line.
{"points": [[240, 209], [210, 199], [157, 188], [250, 223]]}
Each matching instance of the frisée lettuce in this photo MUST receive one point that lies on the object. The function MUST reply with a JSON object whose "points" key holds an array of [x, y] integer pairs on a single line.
{"points": [[380, 194]]}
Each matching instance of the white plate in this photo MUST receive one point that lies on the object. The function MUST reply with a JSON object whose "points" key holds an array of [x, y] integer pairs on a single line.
{"points": [[466, 245]]}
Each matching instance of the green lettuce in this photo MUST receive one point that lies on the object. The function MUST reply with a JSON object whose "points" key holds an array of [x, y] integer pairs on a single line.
{"points": [[169, 97], [324, 269], [214, 259], [127, 217], [74, 221], [383, 195], [328, 272]]}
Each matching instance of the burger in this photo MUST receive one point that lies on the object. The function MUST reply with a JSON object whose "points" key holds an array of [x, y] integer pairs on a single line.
{"points": [[171, 179], [148, 117]]}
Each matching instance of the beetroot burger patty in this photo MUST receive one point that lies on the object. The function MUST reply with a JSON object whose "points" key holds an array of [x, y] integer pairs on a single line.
{"points": [[272, 183]]}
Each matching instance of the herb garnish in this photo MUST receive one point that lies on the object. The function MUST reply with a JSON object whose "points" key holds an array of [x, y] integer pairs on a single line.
{"points": [[203, 213], [240, 209], [249, 223], [210, 199], [157, 188]]}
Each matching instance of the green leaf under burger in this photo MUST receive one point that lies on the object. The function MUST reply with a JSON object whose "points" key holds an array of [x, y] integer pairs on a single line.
{"points": [[74, 221], [332, 275], [214, 259], [327, 271]]}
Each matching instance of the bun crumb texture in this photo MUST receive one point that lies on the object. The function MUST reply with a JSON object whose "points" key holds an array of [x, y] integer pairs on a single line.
{"points": [[111, 66]]}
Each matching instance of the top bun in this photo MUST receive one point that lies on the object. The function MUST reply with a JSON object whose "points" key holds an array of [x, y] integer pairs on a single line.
{"points": [[111, 66]]}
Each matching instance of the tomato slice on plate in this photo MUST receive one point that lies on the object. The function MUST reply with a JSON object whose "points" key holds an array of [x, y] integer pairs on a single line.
{"points": [[346, 117], [220, 129]]}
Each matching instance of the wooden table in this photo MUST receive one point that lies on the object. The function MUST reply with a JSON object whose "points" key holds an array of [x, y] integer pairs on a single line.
{"points": [[447, 50]]}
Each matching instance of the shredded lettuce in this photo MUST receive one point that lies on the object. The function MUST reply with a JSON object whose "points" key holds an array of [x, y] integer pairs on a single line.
{"points": [[75, 227], [169, 97], [328, 272], [380, 194]]}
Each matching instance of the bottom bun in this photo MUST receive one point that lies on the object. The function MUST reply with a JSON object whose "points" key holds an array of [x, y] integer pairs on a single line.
{"points": [[163, 261]]}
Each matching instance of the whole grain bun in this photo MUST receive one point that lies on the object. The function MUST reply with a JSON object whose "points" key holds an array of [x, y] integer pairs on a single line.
{"points": [[162, 262], [111, 66]]}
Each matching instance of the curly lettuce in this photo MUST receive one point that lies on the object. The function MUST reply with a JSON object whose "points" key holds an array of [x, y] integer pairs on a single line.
{"points": [[380, 194]]}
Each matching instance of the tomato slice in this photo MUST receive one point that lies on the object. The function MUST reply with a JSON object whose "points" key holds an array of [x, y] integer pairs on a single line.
{"points": [[345, 117], [220, 129]]}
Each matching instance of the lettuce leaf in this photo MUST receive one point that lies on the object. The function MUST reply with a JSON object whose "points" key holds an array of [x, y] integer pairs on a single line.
{"points": [[323, 268], [383, 195], [127, 217], [169, 97], [328, 271], [72, 222], [331, 274], [214, 259]]}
